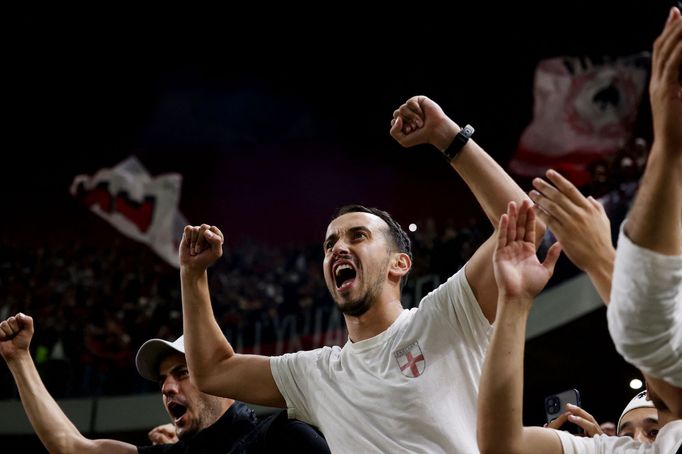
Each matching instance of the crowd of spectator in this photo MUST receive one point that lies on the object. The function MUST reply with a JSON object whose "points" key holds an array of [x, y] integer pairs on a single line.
{"points": [[95, 304]]}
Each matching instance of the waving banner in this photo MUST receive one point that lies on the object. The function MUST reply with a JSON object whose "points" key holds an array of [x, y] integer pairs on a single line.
{"points": [[584, 110], [140, 206]]}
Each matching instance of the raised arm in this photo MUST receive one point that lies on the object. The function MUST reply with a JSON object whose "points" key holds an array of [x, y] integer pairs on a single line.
{"points": [[520, 276], [419, 121], [581, 226], [214, 366], [655, 220], [55, 430], [646, 297]]}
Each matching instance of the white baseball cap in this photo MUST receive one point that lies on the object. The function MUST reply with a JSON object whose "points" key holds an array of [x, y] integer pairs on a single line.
{"points": [[151, 353], [641, 400]]}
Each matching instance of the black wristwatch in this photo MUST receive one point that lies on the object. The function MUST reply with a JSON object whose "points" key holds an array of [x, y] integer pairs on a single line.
{"points": [[458, 143]]}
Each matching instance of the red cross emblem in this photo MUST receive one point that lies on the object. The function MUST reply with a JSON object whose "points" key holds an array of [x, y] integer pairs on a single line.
{"points": [[411, 360]]}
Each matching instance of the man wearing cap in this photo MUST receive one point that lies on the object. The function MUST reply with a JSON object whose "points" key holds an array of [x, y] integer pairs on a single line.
{"points": [[215, 421], [639, 419], [204, 423]]}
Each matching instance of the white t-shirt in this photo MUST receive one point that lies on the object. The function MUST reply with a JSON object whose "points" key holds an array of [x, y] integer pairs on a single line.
{"points": [[412, 388], [645, 314], [668, 441]]}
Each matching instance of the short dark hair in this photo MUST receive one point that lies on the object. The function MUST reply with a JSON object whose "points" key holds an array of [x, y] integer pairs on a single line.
{"points": [[396, 233]]}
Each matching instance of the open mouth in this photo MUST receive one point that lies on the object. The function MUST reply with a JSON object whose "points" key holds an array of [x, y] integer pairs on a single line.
{"points": [[344, 275], [176, 410]]}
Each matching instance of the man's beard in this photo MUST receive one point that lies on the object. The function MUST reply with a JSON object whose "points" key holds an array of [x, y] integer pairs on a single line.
{"points": [[359, 306], [208, 411], [356, 307]]}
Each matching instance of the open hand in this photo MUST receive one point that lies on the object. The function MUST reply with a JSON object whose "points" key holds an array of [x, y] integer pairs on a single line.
{"points": [[579, 223], [518, 272]]}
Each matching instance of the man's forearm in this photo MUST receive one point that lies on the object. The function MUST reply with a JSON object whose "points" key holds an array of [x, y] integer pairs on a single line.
{"points": [[214, 366], [494, 189], [655, 220], [490, 184], [54, 429], [601, 273], [500, 400], [205, 344]]}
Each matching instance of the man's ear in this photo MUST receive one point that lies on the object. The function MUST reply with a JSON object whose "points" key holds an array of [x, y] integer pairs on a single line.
{"points": [[400, 265]]}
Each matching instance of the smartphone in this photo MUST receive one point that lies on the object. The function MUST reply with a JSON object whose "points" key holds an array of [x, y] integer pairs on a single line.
{"points": [[555, 406]]}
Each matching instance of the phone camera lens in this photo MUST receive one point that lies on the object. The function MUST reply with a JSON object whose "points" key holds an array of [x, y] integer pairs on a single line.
{"points": [[553, 405]]}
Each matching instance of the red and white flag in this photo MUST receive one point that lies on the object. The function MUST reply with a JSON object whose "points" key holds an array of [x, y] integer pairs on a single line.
{"points": [[142, 207], [583, 111]]}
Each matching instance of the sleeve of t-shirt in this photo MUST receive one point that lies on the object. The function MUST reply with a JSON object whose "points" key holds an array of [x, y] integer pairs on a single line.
{"points": [[645, 312], [576, 445], [292, 373], [455, 301], [601, 444]]}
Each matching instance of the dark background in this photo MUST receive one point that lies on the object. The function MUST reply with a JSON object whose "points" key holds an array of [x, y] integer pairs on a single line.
{"points": [[277, 116]]}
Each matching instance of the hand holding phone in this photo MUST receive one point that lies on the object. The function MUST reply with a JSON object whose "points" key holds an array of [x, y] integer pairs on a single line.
{"points": [[555, 406]]}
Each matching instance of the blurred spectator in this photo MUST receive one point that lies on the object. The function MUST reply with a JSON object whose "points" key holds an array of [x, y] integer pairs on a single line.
{"points": [[98, 303]]}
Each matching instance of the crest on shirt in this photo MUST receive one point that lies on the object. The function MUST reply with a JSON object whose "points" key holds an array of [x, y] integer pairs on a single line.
{"points": [[411, 360]]}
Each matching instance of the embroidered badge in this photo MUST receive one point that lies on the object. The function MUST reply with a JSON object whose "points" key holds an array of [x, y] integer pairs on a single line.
{"points": [[411, 360]]}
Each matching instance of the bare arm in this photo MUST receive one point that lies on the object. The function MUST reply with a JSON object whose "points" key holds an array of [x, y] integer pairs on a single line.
{"points": [[420, 120], [55, 430], [493, 189], [581, 226], [214, 366], [655, 221], [520, 276], [645, 298]]}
